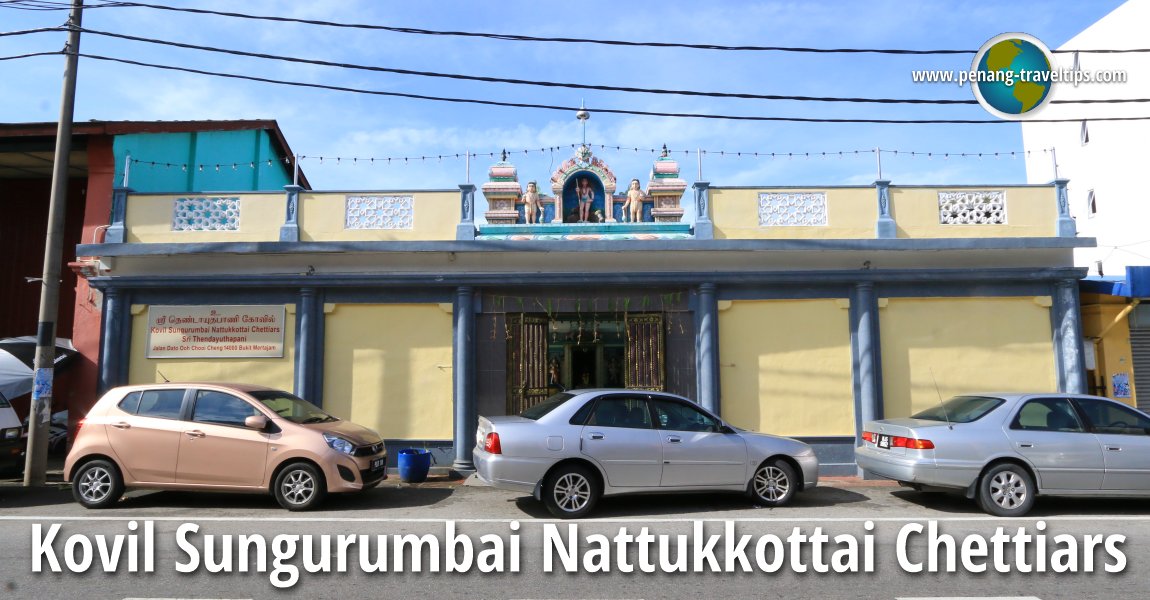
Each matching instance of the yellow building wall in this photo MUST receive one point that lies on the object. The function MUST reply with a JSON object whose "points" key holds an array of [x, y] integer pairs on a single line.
{"points": [[851, 214], [148, 219], [276, 373], [1112, 353], [321, 218], [388, 367], [1030, 212], [968, 344], [786, 366]]}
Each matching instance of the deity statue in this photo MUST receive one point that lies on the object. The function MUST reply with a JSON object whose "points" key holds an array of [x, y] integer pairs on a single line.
{"points": [[553, 374], [634, 202], [586, 196], [532, 211]]}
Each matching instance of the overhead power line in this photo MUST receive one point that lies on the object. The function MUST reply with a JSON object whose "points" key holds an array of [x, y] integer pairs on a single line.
{"points": [[35, 54], [571, 85], [566, 40], [24, 5], [593, 109], [584, 86], [28, 31]]}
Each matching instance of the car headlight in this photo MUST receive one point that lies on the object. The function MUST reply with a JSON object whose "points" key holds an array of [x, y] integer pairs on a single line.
{"points": [[11, 433], [339, 444]]}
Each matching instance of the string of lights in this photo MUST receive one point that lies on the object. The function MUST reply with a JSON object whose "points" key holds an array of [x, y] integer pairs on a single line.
{"points": [[401, 160], [51, 5]]}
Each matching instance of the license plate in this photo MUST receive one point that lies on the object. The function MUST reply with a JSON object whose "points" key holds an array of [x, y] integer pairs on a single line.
{"points": [[378, 464], [884, 441]]}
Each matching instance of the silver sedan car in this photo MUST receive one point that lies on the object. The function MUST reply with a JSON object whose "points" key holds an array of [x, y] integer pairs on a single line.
{"points": [[1005, 449], [577, 446]]}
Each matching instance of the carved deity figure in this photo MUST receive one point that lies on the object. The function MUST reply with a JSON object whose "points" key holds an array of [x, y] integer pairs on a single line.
{"points": [[553, 373], [634, 203], [586, 196], [531, 208]]}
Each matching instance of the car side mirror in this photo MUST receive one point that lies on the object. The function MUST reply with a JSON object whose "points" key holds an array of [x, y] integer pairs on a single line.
{"points": [[257, 422], [726, 429]]}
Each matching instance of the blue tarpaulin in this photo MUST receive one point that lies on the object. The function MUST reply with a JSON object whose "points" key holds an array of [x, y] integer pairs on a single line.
{"points": [[1136, 284]]}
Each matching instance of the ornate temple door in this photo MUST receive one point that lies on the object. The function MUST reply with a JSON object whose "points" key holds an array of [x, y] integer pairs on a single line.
{"points": [[645, 361], [526, 362]]}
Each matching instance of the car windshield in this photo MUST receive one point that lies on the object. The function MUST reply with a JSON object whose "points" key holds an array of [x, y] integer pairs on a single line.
{"points": [[960, 409], [536, 412], [292, 408]]}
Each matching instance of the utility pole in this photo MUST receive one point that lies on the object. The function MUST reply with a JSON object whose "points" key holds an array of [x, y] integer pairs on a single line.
{"points": [[40, 412]]}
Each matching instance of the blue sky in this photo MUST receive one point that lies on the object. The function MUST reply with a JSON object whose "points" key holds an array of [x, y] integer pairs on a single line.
{"points": [[337, 124]]}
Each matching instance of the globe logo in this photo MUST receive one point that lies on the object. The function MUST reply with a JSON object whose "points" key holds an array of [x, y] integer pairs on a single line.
{"points": [[1011, 75]]}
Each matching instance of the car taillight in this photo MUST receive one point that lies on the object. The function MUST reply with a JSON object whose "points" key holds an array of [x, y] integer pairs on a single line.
{"points": [[920, 444], [913, 444], [79, 424], [491, 443], [898, 441]]}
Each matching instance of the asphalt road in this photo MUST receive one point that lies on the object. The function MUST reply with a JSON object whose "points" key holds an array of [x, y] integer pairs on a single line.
{"points": [[508, 530]]}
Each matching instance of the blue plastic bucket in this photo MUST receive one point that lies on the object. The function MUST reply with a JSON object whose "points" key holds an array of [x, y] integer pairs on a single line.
{"points": [[414, 463]]}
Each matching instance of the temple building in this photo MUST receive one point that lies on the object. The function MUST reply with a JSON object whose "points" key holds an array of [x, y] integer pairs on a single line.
{"points": [[800, 311]]}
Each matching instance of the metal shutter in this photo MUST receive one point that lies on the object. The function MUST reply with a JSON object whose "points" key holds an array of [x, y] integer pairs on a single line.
{"points": [[1140, 346]]}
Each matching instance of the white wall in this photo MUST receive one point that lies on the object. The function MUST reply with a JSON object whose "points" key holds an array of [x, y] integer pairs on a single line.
{"points": [[1115, 163]]}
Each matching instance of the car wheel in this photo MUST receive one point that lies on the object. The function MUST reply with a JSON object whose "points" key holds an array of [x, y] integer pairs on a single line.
{"points": [[1006, 490], [97, 484], [299, 486], [774, 483], [571, 492]]}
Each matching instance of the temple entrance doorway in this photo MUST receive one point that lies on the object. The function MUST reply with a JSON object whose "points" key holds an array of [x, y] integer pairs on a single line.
{"points": [[566, 352]]}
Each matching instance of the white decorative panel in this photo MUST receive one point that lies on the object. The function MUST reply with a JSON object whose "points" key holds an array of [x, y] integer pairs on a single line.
{"points": [[972, 208], [206, 214], [792, 209], [379, 212]]}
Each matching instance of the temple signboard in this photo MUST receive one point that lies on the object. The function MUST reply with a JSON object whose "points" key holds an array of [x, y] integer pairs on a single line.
{"points": [[228, 331]]}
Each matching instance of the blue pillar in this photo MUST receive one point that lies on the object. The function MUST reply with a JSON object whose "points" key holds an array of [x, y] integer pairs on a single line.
{"points": [[885, 227], [707, 347], [704, 227], [289, 231], [866, 349], [463, 372], [1067, 324], [308, 345], [1066, 227], [115, 233], [466, 228], [112, 360]]}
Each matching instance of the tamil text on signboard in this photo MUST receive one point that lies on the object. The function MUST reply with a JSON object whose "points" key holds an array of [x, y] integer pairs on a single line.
{"points": [[248, 331]]}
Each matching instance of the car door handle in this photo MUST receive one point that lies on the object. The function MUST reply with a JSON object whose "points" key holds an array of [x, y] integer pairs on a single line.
{"points": [[1114, 448], [122, 425], [1025, 445], [195, 433], [674, 439], [596, 436]]}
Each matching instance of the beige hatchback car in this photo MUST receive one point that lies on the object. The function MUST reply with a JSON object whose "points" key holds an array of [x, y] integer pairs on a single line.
{"points": [[219, 437]]}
